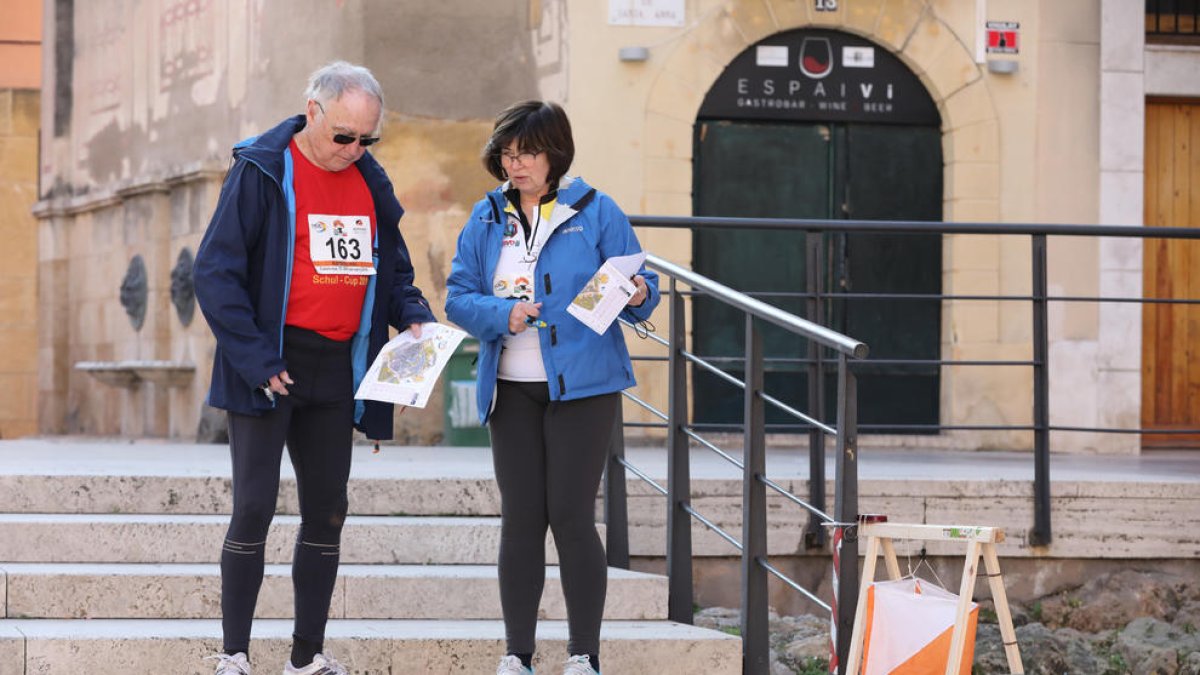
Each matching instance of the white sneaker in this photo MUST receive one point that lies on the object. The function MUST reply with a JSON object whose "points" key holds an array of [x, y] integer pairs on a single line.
{"points": [[236, 664], [322, 664], [579, 665], [511, 665]]}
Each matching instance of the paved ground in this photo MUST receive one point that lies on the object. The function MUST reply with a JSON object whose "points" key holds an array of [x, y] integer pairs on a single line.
{"points": [[84, 456]]}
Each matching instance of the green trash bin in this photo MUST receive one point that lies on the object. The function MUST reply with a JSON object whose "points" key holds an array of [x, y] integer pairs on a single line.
{"points": [[461, 418]]}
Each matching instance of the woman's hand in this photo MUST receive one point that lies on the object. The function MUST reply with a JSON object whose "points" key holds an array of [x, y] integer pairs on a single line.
{"points": [[639, 297], [520, 310]]}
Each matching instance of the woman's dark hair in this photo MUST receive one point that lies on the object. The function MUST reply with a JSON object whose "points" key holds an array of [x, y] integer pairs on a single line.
{"points": [[536, 126]]}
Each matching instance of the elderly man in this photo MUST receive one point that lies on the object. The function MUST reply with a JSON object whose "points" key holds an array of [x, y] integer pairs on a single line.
{"points": [[299, 274]]}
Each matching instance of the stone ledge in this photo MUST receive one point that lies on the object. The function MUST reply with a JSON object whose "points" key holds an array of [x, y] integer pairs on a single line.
{"points": [[192, 591], [368, 647], [147, 538], [129, 374]]}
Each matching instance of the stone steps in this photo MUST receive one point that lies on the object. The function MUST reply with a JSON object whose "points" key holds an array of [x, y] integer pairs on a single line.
{"points": [[377, 647], [209, 494], [155, 538], [191, 591], [108, 559]]}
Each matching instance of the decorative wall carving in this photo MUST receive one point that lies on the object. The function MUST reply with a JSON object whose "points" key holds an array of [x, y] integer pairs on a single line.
{"points": [[183, 294], [134, 290]]}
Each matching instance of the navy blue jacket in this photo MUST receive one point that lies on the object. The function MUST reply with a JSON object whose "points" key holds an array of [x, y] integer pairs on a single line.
{"points": [[243, 274]]}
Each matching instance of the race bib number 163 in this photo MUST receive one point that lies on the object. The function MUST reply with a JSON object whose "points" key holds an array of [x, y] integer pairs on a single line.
{"points": [[340, 244]]}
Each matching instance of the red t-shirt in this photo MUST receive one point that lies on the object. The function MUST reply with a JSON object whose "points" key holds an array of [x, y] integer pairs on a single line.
{"points": [[331, 208]]}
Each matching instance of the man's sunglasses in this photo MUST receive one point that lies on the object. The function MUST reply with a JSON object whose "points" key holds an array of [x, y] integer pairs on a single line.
{"points": [[347, 139]]}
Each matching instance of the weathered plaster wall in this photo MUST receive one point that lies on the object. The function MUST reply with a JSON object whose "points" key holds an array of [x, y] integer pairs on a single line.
{"points": [[20, 77], [18, 278], [162, 90]]}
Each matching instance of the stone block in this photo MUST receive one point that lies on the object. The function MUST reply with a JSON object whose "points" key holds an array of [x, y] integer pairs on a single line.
{"points": [[1122, 49], [690, 64], [1171, 71], [1122, 107], [12, 651], [753, 19], [674, 98], [897, 21], [196, 539], [665, 175], [368, 647], [1122, 202], [668, 137], [18, 160], [26, 112], [968, 105], [972, 210], [981, 281], [790, 14], [17, 397], [972, 180], [861, 16], [719, 37], [1076, 21], [971, 252], [976, 322], [669, 204], [18, 347], [429, 592], [978, 142]]}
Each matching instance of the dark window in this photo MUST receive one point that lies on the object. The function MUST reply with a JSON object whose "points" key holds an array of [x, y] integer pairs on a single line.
{"points": [[1173, 21], [64, 62]]}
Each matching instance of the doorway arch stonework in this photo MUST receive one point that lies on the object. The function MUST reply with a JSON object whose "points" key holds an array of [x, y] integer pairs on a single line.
{"points": [[941, 59]]}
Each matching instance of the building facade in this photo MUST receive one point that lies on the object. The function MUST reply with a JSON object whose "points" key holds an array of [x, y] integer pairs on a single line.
{"points": [[20, 77], [1008, 111]]}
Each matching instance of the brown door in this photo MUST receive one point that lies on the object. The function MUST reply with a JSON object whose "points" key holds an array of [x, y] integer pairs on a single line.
{"points": [[1171, 333]]}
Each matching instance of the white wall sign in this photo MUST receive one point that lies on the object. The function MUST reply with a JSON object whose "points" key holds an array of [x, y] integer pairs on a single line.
{"points": [[646, 12]]}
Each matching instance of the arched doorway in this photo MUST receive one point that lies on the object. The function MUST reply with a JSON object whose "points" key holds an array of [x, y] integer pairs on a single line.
{"points": [[815, 123]]}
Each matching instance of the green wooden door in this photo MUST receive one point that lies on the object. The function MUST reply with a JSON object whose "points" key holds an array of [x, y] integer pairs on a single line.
{"points": [[837, 170]]}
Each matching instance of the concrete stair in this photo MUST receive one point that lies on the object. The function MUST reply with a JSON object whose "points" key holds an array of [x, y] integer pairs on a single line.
{"points": [[108, 566], [190, 591]]}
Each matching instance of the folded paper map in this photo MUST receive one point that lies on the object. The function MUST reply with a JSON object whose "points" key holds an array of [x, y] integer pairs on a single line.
{"points": [[607, 292], [407, 368]]}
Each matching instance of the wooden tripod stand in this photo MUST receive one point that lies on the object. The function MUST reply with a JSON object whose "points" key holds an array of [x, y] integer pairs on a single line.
{"points": [[979, 540]]}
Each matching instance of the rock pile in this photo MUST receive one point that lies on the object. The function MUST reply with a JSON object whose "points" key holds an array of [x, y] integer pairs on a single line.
{"points": [[1128, 622]]}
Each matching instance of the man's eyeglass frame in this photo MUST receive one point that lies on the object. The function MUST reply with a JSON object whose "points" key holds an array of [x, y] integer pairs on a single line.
{"points": [[347, 139]]}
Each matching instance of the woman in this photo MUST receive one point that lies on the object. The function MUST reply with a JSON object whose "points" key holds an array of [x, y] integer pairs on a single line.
{"points": [[548, 386]]}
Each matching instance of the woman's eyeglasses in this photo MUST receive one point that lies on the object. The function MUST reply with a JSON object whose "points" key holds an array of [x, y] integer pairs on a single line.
{"points": [[347, 139], [522, 158]]}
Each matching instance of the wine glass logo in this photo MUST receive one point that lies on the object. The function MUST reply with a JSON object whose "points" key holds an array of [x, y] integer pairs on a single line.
{"points": [[816, 57]]}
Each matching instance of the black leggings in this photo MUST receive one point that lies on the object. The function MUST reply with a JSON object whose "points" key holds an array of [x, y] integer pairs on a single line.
{"points": [[549, 457], [316, 421]]}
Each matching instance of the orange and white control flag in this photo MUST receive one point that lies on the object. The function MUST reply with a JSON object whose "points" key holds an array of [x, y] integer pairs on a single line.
{"points": [[909, 627]]}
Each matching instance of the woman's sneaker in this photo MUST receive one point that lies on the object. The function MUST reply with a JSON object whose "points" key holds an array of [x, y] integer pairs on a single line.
{"points": [[511, 665], [322, 664], [579, 665], [235, 664]]}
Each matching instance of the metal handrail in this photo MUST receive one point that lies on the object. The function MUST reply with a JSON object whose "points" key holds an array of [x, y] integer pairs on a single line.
{"points": [[917, 227], [760, 309], [1039, 298], [681, 513]]}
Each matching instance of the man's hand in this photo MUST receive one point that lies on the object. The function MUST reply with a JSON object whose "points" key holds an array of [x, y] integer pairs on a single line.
{"points": [[278, 383], [415, 329]]}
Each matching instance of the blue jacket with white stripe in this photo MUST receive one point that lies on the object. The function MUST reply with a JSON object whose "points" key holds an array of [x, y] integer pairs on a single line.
{"points": [[243, 273], [587, 228]]}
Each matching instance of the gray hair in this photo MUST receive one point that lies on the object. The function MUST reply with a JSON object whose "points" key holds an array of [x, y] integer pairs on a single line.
{"points": [[330, 81]]}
